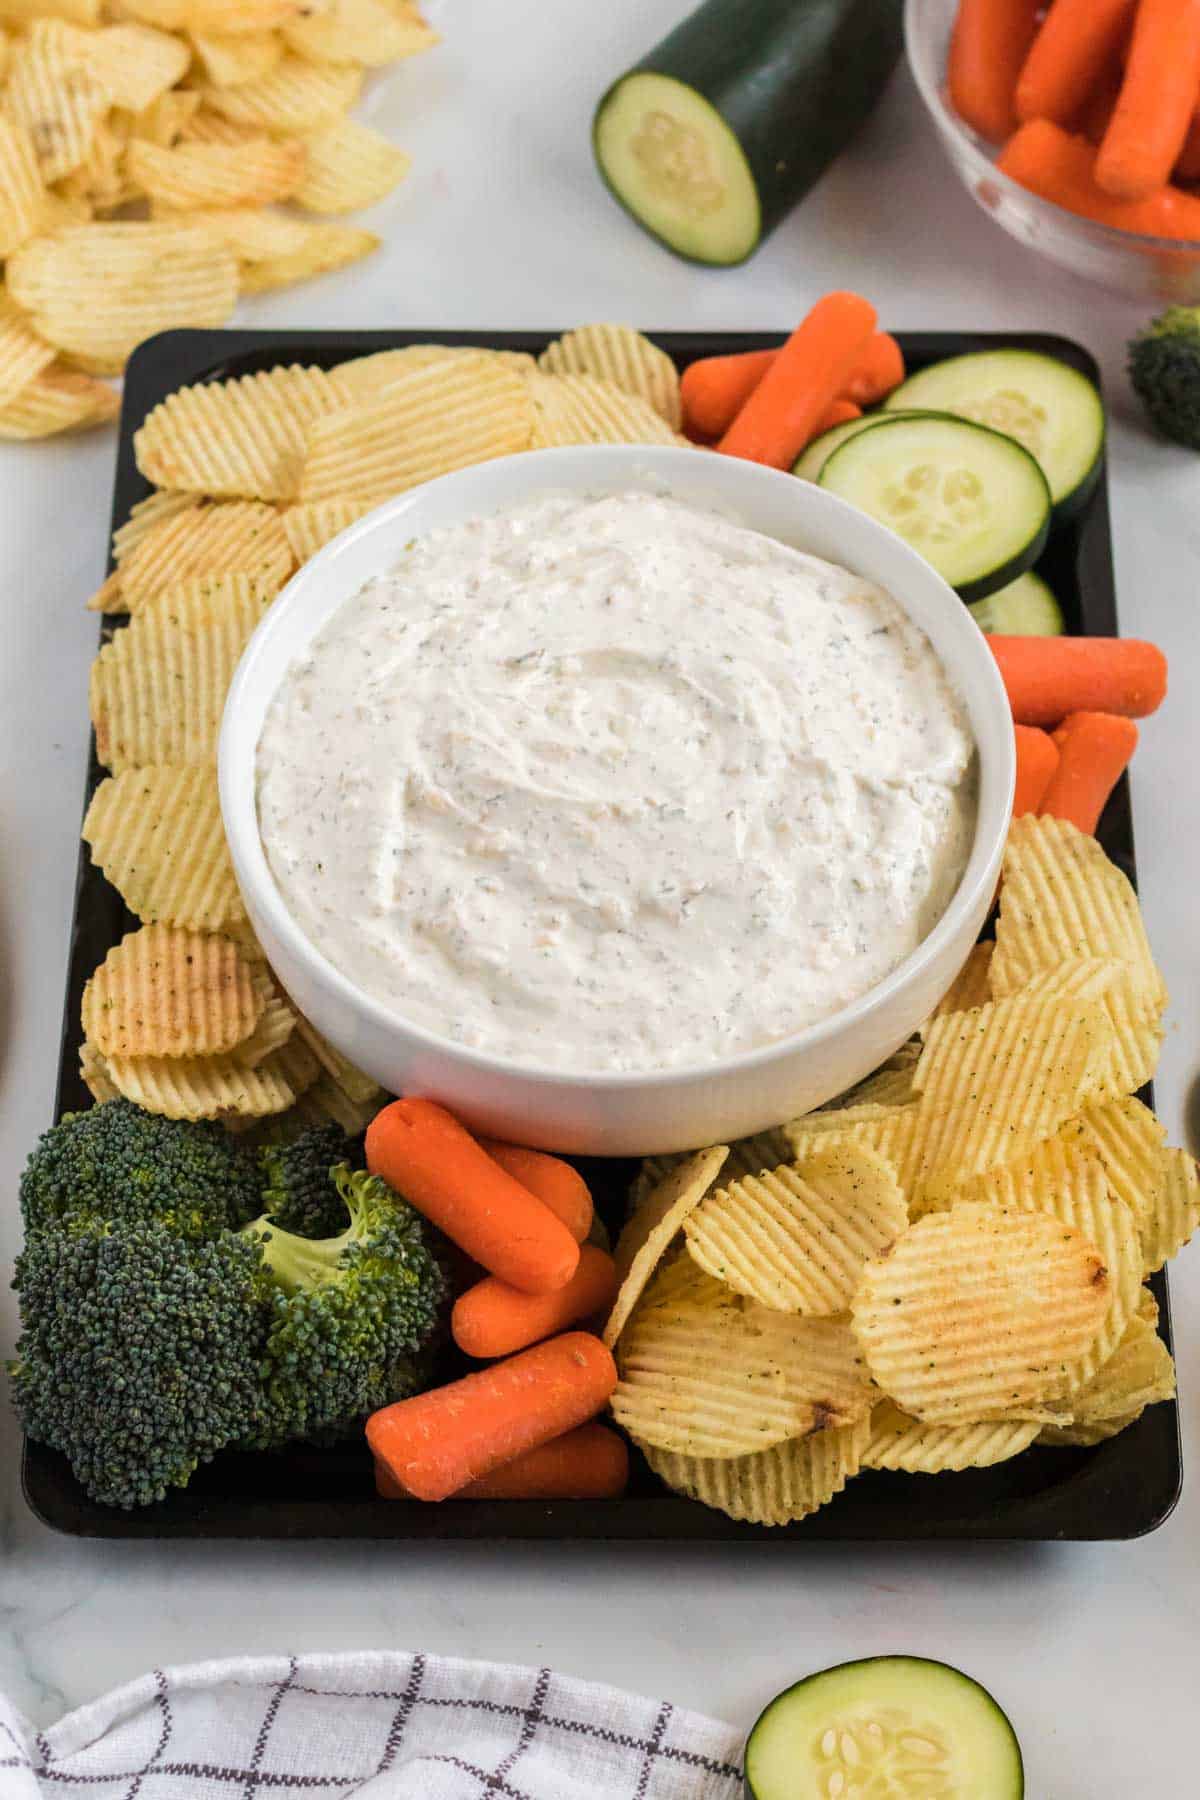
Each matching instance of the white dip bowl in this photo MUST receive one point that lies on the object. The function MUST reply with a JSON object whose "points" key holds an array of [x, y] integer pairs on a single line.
{"points": [[619, 1113]]}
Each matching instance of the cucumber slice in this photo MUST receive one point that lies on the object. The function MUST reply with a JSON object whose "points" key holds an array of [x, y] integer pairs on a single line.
{"points": [[887, 1725], [811, 461], [716, 134], [972, 501], [1047, 406], [1025, 608]]}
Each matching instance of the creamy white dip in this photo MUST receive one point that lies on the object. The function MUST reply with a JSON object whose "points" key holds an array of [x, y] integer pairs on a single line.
{"points": [[615, 784]]}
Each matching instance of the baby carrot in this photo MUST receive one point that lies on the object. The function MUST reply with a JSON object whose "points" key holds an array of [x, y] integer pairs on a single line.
{"points": [[494, 1319], [1156, 102], [808, 374], [1094, 749], [840, 412], [556, 1184], [878, 371], [1187, 166], [589, 1463], [1048, 678], [1037, 759], [988, 45], [1051, 162], [426, 1155], [714, 389], [1068, 57], [436, 1442]]}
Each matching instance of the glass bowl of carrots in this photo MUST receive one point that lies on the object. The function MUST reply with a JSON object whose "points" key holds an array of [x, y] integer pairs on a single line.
{"points": [[1076, 126]]}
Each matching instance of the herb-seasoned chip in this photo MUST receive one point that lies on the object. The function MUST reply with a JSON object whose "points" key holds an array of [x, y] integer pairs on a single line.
{"points": [[1135, 1013], [244, 437], [427, 422], [622, 357], [23, 354], [911, 1445], [313, 524], [1138, 1374], [1130, 1144], [581, 409], [1069, 1182], [213, 1087], [144, 515], [57, 400], [230, 58], [349, 165], [59, 99], [240, 537], [370, 32], [158, 837], [771, 1487], [158, 689], [217, 174], [648, 1233], [295, 98], [1063, 899], [747, 1156], [981, 1313], [1167, 1227], [166, 992], [98, 290], [22, 189], [796, 1238], [710, 1373], [971, 987]]}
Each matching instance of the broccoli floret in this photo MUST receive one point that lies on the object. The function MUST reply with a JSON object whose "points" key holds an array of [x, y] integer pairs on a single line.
{"points": [[141, 1352], [1164, 366], [353, 1317], [298, 1189], [118, 1164]]}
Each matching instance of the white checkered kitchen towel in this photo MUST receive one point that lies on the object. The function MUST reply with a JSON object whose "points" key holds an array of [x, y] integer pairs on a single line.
{"points": [[388, 1726]]}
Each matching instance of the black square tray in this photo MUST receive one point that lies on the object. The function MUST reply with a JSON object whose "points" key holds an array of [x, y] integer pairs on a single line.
{"points": [[1120, 1489]]}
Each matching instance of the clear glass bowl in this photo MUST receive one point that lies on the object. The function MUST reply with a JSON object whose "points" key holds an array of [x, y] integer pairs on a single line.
{"points": [[1147, 268]]}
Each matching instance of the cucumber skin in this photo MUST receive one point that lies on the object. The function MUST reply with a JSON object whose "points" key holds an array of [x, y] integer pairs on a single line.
{"points": [[750, 1792], [792, 79]]}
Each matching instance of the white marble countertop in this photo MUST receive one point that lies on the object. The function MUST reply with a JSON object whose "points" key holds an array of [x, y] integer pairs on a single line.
{"points": [[1094, 1651]]}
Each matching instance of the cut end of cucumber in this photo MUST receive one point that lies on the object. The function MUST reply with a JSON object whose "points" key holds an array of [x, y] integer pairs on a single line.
{"points": [[971, 500], [672, 161], [890, 1724]]}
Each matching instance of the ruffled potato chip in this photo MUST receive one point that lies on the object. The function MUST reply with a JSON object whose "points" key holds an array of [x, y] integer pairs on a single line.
{"points": [[796, 1238], [368, 32], [778, 1486], [157, 835], [649, 1231], [214, 1087], [204, 539], [22, 188], [349, 165], [447, 415], [295, 98], [971, 987], [1135, 1014], [1175, 1215], [312, 525], [57, 400], [710, 1373], [914, 1447], [981, 1313], [166, 992], [581, 409], [624, 358], [219, 175], [59, 99], [97, 290], [242, 438], [230, 58]]}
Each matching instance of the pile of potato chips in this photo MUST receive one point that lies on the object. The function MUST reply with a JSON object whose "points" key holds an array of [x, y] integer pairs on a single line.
{"points": [[947, 1265], [253, 476], [141, 141]]}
